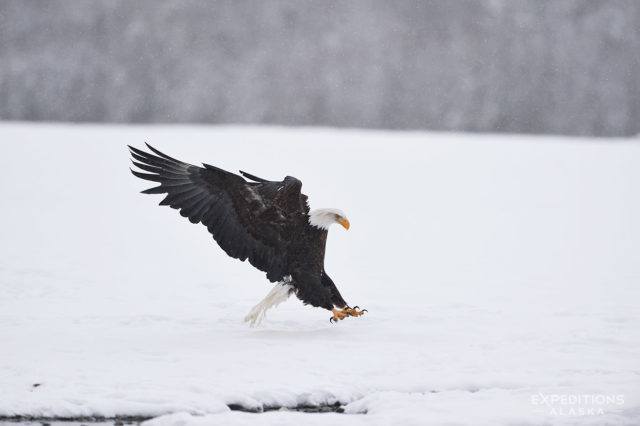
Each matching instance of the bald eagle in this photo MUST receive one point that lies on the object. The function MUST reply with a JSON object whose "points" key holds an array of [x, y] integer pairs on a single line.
{"points": [[266, 222]]}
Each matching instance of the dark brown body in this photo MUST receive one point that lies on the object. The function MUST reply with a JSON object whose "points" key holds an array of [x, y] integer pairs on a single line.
{"points": [[313, 285]]}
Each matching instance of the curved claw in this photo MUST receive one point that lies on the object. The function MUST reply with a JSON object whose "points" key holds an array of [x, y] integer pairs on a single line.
{"points": [[331, 320], [364, 310], [356, 307]]}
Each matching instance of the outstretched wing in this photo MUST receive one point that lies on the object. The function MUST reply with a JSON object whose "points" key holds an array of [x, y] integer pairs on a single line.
{"points": [[254, 221]]}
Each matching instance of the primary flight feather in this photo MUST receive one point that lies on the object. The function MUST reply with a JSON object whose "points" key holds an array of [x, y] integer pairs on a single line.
{"points": [[265, 222]]}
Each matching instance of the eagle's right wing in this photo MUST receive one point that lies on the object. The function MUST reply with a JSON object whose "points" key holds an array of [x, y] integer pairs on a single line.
{"points": [[248, 220]]}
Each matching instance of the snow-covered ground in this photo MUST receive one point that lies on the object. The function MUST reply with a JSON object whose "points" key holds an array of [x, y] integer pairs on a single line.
{"points": [[501, 275]]}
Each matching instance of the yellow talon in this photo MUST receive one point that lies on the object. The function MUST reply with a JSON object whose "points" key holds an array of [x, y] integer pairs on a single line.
{"points": [[340, 314], [354, 312]]}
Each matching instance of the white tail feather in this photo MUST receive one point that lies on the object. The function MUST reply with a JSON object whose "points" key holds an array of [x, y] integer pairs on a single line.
{"points": [[278, 294]]}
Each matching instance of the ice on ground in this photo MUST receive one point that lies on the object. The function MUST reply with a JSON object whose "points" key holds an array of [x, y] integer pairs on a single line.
{"points": [[500, 274]]}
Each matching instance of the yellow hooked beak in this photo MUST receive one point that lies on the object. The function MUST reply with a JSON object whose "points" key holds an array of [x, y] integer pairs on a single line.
{"points": [[344, 222]]}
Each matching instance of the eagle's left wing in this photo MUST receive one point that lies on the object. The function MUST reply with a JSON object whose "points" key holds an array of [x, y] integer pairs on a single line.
{"points": [[253, 221]]}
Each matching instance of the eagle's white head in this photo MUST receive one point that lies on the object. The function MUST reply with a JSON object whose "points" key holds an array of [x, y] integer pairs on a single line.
{"points": [[324, 218]]}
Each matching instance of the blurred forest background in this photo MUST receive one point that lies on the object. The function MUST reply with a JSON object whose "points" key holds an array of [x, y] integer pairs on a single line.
{"points": [[532, 66]]}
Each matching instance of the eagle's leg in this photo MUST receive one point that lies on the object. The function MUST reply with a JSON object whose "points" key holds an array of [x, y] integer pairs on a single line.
{"points": [[340, 314]]}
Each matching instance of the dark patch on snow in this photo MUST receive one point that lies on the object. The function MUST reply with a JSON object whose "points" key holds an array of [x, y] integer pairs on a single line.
{"points": [[136, 420], [322, 408]]}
